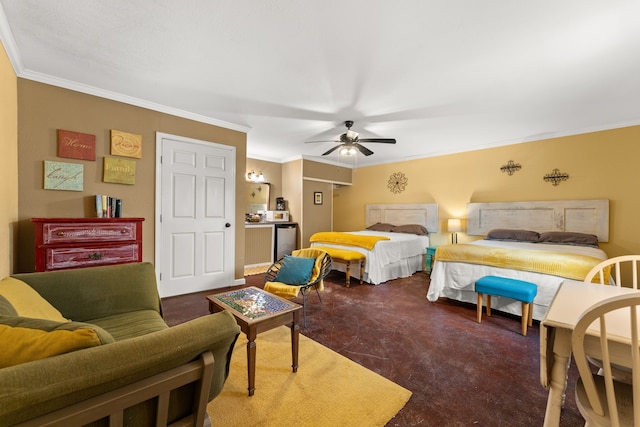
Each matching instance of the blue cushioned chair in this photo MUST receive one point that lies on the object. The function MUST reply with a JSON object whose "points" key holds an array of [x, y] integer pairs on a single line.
{"points": [[506, 287]]}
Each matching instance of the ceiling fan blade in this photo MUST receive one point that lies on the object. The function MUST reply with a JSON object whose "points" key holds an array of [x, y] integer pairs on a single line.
{"points": [[378, 140], [364, 150], [326, 140], [331, 150]]}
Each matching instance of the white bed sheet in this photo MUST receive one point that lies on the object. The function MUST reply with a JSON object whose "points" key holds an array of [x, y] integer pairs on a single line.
{"points": [[401, 256], [455, 280]]}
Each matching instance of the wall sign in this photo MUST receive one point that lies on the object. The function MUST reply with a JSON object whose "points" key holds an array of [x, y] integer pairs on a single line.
{"points": [[63, 176], [126, 144], [119, 171], [76, 145]]}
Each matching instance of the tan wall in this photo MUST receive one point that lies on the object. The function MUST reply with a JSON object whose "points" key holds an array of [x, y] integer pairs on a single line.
{"points": [[272, 174], [316, 217], [8, 164], [43, 109], [601, 165]]}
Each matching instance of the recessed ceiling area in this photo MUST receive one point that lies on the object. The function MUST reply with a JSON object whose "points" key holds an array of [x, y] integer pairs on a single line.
{"points": [[440, 76]]}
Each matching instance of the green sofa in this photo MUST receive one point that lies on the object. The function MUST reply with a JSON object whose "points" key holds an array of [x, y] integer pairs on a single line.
{"points": [[135, 366]]}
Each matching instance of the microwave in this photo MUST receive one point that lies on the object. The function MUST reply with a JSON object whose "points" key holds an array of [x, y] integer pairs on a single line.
{"points": [[277, 215]]}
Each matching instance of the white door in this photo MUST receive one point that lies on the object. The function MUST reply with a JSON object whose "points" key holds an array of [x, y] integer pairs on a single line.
{"points": [[195, 232]]}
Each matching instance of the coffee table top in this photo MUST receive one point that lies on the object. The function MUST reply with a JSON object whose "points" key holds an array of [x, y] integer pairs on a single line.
{"points": [[253, 303]]}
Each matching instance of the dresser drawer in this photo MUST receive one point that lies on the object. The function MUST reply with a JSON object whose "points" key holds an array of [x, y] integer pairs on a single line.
{"points": [[76, 233], [88, 255]]}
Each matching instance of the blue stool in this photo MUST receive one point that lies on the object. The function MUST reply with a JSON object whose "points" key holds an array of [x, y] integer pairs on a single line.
{"points": [[519, 290]]}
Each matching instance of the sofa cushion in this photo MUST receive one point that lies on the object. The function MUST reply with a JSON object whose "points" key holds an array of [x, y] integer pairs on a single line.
{"points": [[27, 302], [6, 309], [131, 325], [22, 344]]}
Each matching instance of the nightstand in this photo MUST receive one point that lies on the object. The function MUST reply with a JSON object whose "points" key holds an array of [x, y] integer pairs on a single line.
{"points": [[431, 255]]}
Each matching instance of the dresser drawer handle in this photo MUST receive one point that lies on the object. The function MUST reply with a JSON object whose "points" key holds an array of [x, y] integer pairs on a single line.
{"points": [[96, 255], [60, 233], [123, 231]]}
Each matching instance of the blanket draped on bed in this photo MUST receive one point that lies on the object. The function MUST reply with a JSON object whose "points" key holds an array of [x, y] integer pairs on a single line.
{"points": [[348, 239], [571, 266]]}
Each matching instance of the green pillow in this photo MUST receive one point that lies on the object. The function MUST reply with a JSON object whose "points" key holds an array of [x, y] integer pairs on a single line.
{"points": [[295, 270]]}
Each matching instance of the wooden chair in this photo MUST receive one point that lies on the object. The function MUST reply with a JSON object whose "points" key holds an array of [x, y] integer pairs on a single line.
{"points": [[618, 267], [321, 269], [601, 399]]}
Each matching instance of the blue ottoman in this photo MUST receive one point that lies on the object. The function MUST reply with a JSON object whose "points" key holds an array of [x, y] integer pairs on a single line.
{"points": [[518, 290]]}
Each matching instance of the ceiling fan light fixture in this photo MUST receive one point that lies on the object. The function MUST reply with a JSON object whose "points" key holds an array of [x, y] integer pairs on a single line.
{"points": [[348, 151]]}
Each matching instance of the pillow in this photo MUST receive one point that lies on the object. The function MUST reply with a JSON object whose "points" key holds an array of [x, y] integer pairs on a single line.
{"points": [[295, 270], [569, 238], [51, 325], [21, 345], [380, 226], [411, 229], [518, 235], [27, 302]]}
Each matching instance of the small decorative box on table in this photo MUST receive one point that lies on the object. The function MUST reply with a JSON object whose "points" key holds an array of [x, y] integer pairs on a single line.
{"points": [[63, 243], [258, 311]]}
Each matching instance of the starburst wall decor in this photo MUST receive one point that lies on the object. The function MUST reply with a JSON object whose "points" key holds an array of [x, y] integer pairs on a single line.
{"points": [[397, 182]]}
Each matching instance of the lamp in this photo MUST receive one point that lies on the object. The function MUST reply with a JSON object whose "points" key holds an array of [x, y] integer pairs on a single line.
{"points": [[252, 176], [454, 225]]}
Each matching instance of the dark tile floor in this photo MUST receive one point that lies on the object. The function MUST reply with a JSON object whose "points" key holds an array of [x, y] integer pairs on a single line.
{"points": [[461, 373]]}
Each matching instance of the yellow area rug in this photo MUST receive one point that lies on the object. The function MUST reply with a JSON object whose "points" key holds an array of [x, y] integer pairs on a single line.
{"points": [[327, 390]]}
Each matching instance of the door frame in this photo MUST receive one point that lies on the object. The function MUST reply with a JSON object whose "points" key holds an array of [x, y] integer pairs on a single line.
{"points": [[158, 196]]}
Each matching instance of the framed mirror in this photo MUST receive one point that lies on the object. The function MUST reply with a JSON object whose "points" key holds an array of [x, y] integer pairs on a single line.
{"points": [[257, 197]]}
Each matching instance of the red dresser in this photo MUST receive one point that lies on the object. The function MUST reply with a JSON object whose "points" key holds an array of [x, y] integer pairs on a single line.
{"points": [[63, 243]]}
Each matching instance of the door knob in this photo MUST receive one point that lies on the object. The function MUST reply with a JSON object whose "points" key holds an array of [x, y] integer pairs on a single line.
{"points": [[227, 225]]}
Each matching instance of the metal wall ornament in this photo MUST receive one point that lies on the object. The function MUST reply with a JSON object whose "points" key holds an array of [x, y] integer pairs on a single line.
{"points": [[511, 167], [397, 182], [556, 176]]}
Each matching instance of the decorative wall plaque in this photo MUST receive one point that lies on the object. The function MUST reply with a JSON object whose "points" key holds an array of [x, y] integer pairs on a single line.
{"points": [[63, 176], [119, 171], [126, 144], [76, 145]]}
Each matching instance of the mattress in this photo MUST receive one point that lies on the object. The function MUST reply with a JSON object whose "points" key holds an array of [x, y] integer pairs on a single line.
{"points": [[455, 280], [400, 256]]}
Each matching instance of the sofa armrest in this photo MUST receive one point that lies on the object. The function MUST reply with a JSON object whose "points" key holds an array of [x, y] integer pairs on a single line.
{"points": [[35, 388], [91, 293]]}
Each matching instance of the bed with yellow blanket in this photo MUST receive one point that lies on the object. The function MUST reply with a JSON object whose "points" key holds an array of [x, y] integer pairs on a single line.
{"points": [[390, 255], [457, 267]]}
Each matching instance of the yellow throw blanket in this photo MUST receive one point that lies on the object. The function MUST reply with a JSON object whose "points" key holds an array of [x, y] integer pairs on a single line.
{"points": [[282, 289], [571, 266], [348, 239]]}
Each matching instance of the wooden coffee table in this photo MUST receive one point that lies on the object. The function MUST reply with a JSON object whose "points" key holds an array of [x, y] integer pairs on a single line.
{"points": [[258, 311]]}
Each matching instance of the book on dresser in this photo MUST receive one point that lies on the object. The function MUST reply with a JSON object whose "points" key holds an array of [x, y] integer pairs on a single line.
{"points": [[63, 243], [108, 207]]}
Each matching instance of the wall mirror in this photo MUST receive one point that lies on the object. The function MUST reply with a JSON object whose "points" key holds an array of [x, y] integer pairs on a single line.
{"points": [[257, 197]]}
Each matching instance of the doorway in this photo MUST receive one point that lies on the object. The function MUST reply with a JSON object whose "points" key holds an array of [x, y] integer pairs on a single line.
{"points": [[195, 215]]}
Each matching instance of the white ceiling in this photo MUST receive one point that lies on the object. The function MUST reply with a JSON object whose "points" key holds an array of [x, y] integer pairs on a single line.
{"points": [[440, 76]]}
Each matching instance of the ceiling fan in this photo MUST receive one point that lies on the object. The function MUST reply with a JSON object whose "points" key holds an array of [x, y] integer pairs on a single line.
{"points": [[350, 142]]}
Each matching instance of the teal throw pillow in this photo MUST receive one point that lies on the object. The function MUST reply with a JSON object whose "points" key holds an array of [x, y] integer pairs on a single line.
{"points": [[295, 270]]}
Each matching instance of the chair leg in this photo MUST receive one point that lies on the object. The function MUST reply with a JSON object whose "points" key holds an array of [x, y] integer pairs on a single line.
{"points": [[488, 305], [479, 305]]}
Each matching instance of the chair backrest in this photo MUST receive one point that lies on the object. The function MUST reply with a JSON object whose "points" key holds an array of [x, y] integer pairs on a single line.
{"points": [[610, 354], [321, 268], [622, 269]]}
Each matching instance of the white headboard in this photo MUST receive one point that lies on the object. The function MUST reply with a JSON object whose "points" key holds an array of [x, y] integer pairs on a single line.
{"points": [[425, 214], [581, 216]]}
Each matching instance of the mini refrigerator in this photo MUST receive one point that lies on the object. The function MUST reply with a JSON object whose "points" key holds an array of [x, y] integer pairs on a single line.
{"points": [[286, 238]]}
